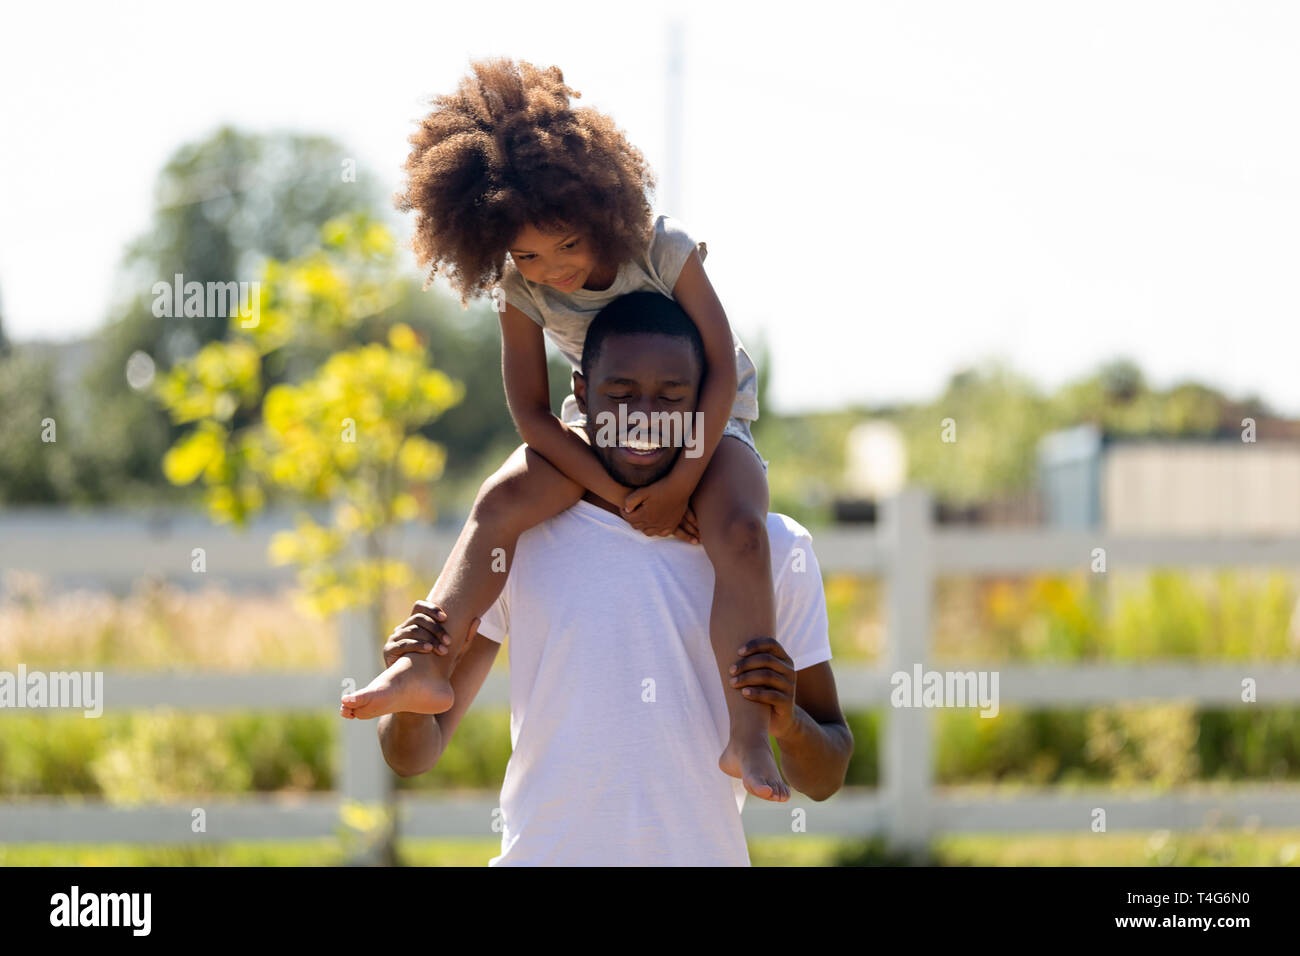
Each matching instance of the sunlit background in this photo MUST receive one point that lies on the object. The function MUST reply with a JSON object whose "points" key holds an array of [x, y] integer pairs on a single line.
{"points": [[1036, 259]]}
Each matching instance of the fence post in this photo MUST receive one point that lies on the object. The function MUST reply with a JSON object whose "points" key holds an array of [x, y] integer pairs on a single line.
{"points": [[364, 776], [906, 749]]}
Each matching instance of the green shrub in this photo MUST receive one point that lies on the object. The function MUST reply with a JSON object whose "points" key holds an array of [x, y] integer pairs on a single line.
{"points": [[167, 755]]}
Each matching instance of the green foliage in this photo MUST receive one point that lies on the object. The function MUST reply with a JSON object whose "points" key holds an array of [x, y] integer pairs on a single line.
{"points": [[223, 206], [228, 203], [478, 433], [1220, 614], [31, 470], [877, 851], [346, 433], [284, 751], [1258, 743], [142, 756], [50, 755], [1161, 848], [806, 459], [476, 757], [998, 417], [864, 764], [1020, 746], [168, 755], [1239, 617], [162, 754]]}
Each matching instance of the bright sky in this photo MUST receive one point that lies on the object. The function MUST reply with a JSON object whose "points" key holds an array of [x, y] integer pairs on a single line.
{"points": [[888, 190]]}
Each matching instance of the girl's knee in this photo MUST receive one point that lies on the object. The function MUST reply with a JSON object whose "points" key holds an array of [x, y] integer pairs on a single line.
{"points": [[502, 496], [522, 491]]}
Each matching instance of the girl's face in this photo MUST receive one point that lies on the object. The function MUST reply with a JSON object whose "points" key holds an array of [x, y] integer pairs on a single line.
{"points": [[563, 260]]}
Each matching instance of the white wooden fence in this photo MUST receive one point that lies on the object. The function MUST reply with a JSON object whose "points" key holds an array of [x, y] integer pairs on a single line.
{"points": [[905, 550]]}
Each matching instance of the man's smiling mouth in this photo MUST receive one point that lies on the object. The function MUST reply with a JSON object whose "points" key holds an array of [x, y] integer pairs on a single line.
{"points": [[640, 449]]}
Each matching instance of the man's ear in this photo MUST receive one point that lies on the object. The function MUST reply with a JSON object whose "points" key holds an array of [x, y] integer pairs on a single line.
{"points": [[580, 391]]}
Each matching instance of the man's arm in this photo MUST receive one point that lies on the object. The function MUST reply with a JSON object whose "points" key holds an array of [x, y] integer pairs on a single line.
{"points": [[413, 743], [807, 723], [816, 747]]}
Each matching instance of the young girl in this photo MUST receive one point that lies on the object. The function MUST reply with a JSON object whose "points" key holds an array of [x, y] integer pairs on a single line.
{"points": [[507, 165]]}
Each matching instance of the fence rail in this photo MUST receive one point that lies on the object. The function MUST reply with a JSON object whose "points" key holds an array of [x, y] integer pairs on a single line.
{"points": [[905, 549]]}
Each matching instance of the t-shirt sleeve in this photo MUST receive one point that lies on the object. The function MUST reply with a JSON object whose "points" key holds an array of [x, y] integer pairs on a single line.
{"points": [[670, 247], [495, 623], [802, 626], [517, 293]]}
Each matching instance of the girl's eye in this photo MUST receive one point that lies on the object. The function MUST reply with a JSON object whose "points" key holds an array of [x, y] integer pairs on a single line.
{"points": [[572, 244]]}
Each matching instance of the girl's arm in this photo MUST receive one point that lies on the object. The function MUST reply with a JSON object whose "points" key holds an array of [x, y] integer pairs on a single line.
{"points": [[694, 293], [523, 367]]}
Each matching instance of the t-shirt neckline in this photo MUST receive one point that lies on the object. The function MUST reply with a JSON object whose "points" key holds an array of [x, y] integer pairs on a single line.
{"points": [[597, 510], [608, 518], [613, 286]]}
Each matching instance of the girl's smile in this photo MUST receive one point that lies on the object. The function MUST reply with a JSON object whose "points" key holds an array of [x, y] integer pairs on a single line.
{"points": [[562, 260]]}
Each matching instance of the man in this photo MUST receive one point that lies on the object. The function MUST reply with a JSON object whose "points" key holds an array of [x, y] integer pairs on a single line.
{"points": [[617, 711]]}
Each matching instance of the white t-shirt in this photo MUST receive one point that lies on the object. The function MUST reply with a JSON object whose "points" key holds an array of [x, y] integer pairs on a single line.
{"points": [[617, 715]]}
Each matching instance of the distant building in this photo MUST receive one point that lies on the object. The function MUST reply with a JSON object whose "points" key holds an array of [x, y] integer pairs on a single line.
{"points": [[1158, 485]]}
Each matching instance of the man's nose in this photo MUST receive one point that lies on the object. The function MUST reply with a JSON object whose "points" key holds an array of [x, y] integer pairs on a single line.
{"points": [[647, 405]]}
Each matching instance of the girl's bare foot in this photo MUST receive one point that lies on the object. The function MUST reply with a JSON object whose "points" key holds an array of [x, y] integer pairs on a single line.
{"points": [[411, 685], [754, 764]]}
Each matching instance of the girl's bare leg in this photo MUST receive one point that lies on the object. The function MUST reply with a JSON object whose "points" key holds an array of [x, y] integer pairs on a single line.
{"points": [[730, 505]]}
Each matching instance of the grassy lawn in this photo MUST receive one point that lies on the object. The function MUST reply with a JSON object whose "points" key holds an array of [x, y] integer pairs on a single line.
{"points": [[1220, 848]]}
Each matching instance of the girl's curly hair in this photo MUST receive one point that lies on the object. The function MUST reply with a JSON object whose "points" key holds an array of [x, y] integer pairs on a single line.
{"points": [[505, 150]]}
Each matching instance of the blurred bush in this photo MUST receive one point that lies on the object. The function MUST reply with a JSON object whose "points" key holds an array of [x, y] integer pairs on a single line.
{"points": [[158, 755]]}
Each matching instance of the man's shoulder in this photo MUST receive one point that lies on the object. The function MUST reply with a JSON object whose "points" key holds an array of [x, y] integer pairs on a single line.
{"points": [[784, 534], [790, 544], [784, 531]]}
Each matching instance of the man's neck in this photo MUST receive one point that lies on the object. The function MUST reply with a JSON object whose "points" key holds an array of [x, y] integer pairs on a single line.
{"points": [[600, 502]]}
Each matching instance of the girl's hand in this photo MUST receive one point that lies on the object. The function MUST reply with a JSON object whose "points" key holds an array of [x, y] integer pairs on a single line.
{"points": [[660, 510], [689, 529]]}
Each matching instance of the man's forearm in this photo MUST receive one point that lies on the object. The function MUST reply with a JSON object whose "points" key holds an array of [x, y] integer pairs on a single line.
{"points": [[412, 743], [815, 757]]}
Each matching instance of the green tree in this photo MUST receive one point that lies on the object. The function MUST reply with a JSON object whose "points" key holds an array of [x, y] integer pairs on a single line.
{"points": [[341, 429], [479, 432], [31, 470], [223, 206], [4, 341], [997, 417]]}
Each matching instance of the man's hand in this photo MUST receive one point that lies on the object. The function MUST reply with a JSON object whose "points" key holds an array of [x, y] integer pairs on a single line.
{"points": [[421, 633], [766, 674], [661, 510]]}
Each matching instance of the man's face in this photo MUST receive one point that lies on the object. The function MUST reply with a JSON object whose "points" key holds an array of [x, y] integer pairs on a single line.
{"points": [[646, 373]]}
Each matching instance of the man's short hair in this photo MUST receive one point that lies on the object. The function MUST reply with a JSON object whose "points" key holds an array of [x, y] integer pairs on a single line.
{"points": [[640, 313]]}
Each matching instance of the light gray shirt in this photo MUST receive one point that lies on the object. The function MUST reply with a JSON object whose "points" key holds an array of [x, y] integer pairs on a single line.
{"points": [[564, 316]]}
